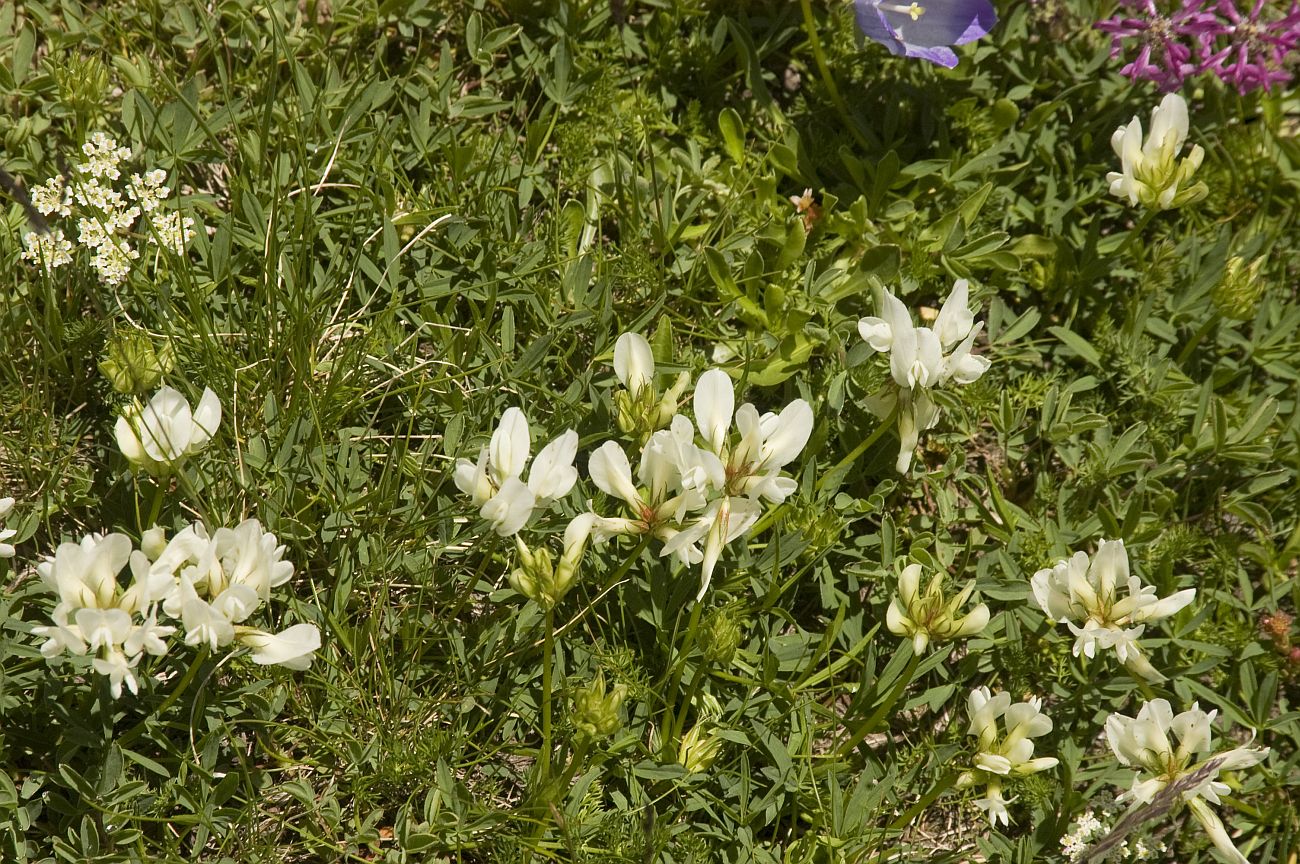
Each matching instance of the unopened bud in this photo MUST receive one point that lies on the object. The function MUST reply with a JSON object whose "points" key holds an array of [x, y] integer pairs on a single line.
{"points": [[722, 636], [1237, 294], [699, 748], [596, 713], [132, 365]]}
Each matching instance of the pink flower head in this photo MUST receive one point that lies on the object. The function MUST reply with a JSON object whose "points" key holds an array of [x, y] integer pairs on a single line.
{"points": [[1164, 42], [1256, 50]]}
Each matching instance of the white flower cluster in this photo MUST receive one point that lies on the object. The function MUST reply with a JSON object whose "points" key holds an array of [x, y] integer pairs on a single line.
{"points": [[1150, 171], [1095, 823], [1002, 756], [495, 482], [922, 359], [6, 549], [1143, 743], [707, 490], [105, 217], [691, 491], [210, 584], [932, 616], [1082, 592]]}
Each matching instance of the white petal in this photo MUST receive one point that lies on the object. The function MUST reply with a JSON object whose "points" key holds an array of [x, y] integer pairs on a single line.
{"points": [[508, 449], [955, 318], [715, 402], [876, 333], [293, 648], [553, 474], [634, 363], [612, 473]]}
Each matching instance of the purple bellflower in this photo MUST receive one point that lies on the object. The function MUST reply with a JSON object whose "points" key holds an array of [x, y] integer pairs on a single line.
{"points": [[925, 29]]}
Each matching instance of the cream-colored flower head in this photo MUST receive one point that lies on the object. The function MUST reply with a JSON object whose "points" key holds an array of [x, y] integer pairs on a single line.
{"points": [[1084, 593], [160, 435], [1144, 744], [495, 482], [931, 616], [922, 359], [1150, 172], [1005, 751]]}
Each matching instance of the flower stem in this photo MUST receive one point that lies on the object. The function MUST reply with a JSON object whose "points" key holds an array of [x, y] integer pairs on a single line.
{"points": [[819, 57], [844, 464], [872, 722], [677, 669], [179, 690], [945, 783], [548, 651], [155, 506]]}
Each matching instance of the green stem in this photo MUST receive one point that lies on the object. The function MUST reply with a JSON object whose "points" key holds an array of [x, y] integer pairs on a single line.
{"points": [[843, 464], [155, 506], [872, 722], [548, 650], [692, 690], [676, 671], [819, 57], [945, 783], [177, 691]]}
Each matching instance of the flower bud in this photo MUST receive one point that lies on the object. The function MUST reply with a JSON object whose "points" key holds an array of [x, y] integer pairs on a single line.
{"points": [[153, 542], [132, 365], [596, 713], [722, 635], [699, 748], [931, 615], [1237, 294]]}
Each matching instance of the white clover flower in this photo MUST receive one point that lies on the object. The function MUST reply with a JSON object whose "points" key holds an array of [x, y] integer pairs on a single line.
{"points": [[932, 616], [1150, 172], [495, 483], [1143, 743], [159, 436], [94, 615], [1084, 594], [743, 469], [1005, 755], [50, 249], [6, 549], [922, 359]]}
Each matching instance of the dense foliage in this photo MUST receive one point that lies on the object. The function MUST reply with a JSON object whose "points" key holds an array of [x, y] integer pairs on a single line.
{"points": [[412, 216]]}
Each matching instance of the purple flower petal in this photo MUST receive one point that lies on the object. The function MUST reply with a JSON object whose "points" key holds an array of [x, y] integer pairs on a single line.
{"points": [[925, 30]]}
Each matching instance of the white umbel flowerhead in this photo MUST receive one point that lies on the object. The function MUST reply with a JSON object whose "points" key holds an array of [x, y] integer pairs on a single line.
{"points": [[1084, 593], [159, 436], [1003, 754], [6, 549], [495, 483], [1143, 743], [932, 616], [922, 359], [1150, 172]]}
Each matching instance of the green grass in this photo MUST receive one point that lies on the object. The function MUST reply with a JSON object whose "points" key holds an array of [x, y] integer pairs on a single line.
{"points": [[414, 215]]}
